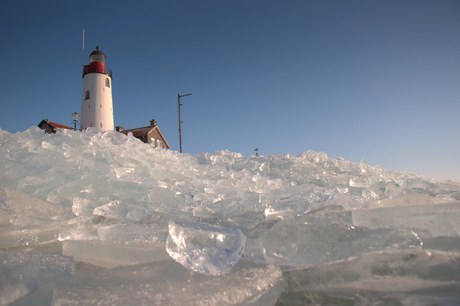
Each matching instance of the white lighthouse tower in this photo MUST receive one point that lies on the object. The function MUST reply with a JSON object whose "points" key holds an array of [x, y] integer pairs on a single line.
{"points": [[97, 105]]}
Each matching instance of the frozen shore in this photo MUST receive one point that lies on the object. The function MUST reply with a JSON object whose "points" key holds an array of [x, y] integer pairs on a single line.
{"points": [[100, 218]]}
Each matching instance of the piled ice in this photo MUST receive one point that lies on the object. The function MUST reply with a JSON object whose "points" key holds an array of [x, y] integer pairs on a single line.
{"points": [[101, 218], [168, 283], [30, 278]]}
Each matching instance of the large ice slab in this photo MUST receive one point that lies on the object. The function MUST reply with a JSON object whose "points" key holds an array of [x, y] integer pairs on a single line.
{"points": [[426, 220], [83, 227], [123, 210], [25, 209], [379, 277], [447, 244], [439, 296], [133, 232], [412, 199], [14, 236], [31, 277], [318, 239], [114, 245], [207, 249], [169, 283], [109, 254]]}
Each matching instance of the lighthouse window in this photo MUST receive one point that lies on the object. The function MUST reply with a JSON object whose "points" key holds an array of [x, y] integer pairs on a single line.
{"points": [[87, 95], [107, 82]]}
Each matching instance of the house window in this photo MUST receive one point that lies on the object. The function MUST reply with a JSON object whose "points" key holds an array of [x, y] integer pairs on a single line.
{"points": [[87, 95], [158, 143], [107, 82], [152, 141]]}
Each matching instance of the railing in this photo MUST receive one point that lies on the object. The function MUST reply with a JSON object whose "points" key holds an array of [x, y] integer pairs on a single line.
{"points": [[97, 69]]}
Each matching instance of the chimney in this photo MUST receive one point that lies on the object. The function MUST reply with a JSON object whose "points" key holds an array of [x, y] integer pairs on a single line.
{"points": [[153, 123], [119, 128]]}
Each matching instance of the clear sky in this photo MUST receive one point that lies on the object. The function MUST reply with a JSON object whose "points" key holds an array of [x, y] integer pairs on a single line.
{"points": [[374, 80]]}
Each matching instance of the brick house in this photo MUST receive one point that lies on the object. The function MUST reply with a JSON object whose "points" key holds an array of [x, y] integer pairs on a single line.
{"points": [[148, 134], [51, 127]]}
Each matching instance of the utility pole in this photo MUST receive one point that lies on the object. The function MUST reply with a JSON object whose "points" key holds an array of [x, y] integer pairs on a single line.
{"points": [[180, 119]]}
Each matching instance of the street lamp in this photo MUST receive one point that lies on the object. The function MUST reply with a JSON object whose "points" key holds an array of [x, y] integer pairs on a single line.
{"points": [[257, 152], [75, 117]]}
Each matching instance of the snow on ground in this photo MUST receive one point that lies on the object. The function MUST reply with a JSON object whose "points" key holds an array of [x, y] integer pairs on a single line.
{"points": [[101, 218]]}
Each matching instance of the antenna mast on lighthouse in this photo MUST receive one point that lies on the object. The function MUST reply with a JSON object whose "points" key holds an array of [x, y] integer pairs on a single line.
{"points": [[83, 50]]}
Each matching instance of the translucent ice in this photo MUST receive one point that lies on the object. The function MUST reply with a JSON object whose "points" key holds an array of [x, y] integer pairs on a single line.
{"points": [[168, 283], [83, 228], [31, 277], [447, 244], [207, 249], [427, 221], [106, 199], [403, 200], [133, 232], [29, 210], [311, 241], [109, 254], [13, 236], [373, 276]]}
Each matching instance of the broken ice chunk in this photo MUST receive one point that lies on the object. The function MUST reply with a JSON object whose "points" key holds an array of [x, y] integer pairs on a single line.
{"points": [[387, 271], [4, 217], [428, 221], [25, 210], [13, 236], [168, 283], [31, 277], [84, 207], [115, 209], [204, 248], [132, 232], [109, 254], [122, 210], [307, 242], [83, 228]]}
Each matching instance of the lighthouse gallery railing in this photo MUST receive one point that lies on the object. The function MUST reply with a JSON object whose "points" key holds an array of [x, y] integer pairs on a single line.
{"points": [[98, 69]]}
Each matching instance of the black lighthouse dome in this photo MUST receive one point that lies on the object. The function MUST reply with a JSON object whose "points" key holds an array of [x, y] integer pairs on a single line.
{"points": [[97, 56]]}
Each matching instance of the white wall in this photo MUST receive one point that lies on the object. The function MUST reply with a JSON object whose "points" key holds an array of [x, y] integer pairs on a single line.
{"points": [[98, 110]]}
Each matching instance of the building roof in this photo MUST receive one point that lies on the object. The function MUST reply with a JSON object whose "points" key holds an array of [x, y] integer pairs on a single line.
{"points": [[144, 131], [137, 132], [53, 125]]}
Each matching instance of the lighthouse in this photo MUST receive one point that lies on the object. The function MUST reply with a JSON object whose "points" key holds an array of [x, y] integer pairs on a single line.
{"points": [[97, 105]]}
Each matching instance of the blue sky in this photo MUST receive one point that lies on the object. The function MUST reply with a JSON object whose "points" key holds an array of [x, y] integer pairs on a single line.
{"points": [[374, 80]]}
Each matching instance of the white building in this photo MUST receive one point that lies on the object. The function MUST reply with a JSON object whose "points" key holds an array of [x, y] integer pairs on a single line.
{"points": [[97, 105]]}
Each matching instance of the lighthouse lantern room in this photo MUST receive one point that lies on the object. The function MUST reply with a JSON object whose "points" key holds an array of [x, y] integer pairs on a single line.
{"points": [[97, 105]]}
